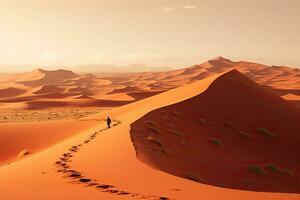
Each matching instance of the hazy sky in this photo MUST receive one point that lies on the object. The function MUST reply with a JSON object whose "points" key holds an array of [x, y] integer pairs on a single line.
{"points": [[154, 32]]}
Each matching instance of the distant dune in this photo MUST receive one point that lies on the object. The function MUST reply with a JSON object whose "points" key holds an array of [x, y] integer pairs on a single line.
{"points": [[48, 89], [11, 92], [48, 77], [60, 86]]}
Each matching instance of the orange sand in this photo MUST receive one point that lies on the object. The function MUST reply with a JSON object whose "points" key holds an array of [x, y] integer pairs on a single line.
{"points": [[44, 89], [111, 158]]}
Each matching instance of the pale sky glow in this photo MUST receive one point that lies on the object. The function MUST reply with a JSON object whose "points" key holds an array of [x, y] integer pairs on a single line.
{"points": [[189, 7], [154, 32]]}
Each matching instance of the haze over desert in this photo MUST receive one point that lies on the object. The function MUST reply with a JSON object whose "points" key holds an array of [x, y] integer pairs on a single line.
{"points": [[154, 100]]}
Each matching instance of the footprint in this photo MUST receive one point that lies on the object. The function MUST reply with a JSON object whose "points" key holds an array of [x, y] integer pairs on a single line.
{"points": [[164, 198], [85, 180], [104, 186], [112, 191], [123, 193], [75, 175]]}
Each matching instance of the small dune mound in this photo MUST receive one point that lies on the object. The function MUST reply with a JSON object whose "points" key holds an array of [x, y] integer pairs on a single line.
{"points": [[202, 75], [237, 134], [50, 77], [77, 89], [125, 90], [23, 153], [89, 75], [82, 90], [84, 96], [48, 89], [84, 81], [11, 92], [192, 70]]}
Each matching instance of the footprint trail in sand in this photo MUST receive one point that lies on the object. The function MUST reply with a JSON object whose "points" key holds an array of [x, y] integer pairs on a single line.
{"points": [[64, 168]]}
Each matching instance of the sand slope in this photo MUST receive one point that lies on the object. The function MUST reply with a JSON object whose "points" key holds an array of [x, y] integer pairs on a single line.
{"points": [[111, 159], [236, 134], [35, 136]]}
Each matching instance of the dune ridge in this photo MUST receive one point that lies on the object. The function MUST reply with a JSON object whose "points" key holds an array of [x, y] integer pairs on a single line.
{"points": [[251, 127]]}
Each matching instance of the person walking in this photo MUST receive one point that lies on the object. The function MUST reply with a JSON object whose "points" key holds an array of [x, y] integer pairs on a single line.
{"points": [[108, 122]]}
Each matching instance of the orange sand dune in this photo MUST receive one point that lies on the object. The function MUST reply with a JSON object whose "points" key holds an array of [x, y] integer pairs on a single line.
{"points": [[11, 92], [295, 99], [48, 89], [35, 136], [108, 157], [49, 77], [236, 134], [29, 76], [118, 86], [291, 97], [78, 89], [124, 90]]}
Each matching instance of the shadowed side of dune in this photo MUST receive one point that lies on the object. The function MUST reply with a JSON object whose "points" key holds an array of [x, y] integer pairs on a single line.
{"points": [[236, 134], [48, 89], [11, 92]]}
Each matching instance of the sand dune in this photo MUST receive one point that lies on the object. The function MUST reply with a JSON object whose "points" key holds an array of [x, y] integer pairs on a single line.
{"points": [[11, 92], [48, 77], [106, 162], [83, 90], [66, 85], [124, 90], [291, 97], [29, 76], [48, 89], [35, 137], [236, 134], [295, 99]]}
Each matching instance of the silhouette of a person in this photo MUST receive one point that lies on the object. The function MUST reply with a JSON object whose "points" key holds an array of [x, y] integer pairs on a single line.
{"points": [[108, 122]]}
